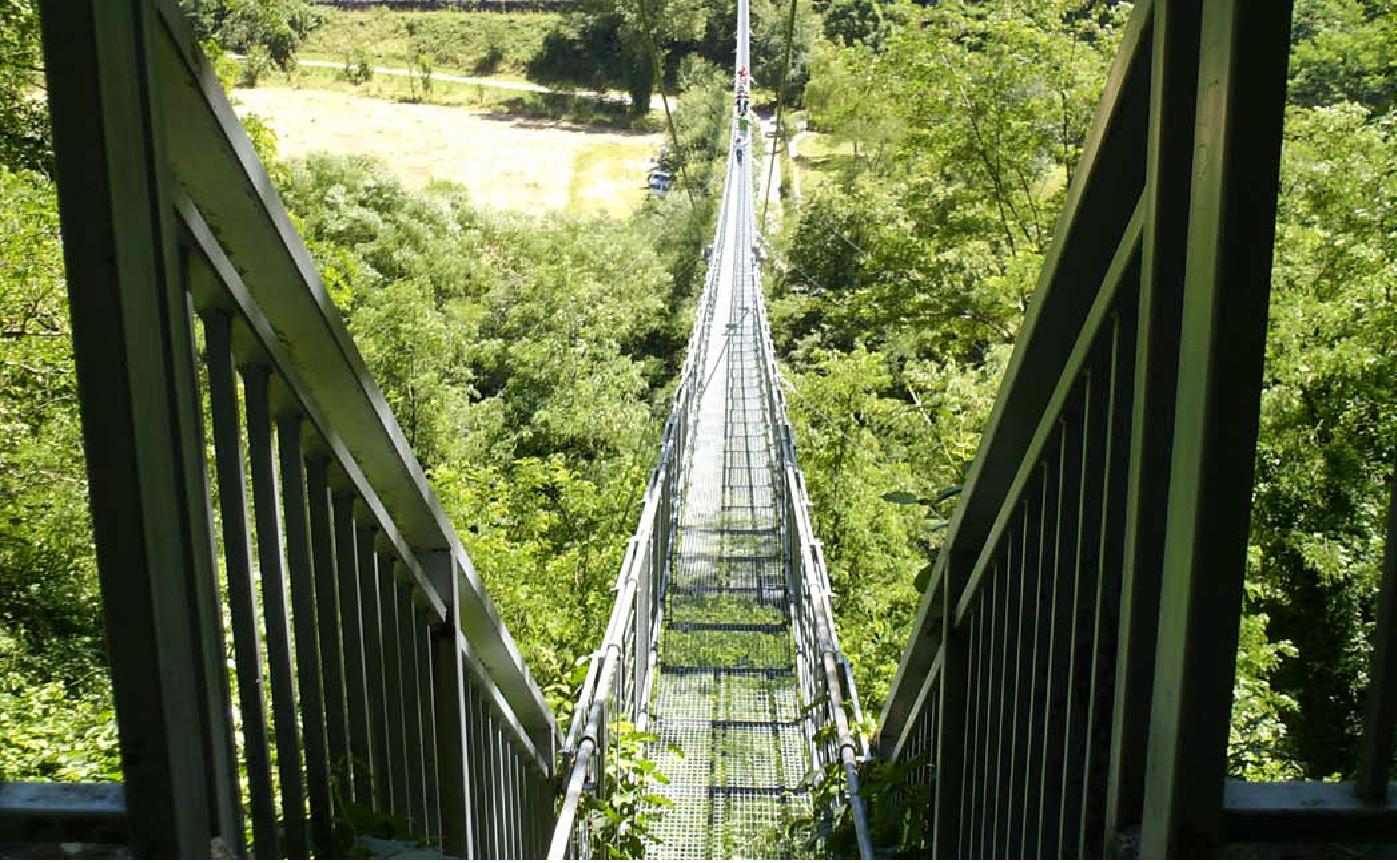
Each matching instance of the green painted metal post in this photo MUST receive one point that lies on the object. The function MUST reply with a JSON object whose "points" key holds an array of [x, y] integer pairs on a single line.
{"points": [[1241, 98], [950, 754], [451, 700], [1375, 754], [1173, 91], [131, 336]]}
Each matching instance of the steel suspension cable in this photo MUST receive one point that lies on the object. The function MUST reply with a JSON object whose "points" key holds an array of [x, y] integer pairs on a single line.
{"points": [[780, 108]]}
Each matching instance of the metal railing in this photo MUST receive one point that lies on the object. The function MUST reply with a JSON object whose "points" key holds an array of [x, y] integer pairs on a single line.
{"points": [[621, 673], [825, 674], [618, 683], [237, 445], [1067, 690]]}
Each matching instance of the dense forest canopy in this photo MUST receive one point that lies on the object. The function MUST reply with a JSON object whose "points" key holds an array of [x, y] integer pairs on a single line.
{"points": [[529, 359], [908, 278]]}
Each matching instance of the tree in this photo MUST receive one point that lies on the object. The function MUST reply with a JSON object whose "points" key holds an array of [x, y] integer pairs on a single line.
{"points": [[272, 29], [851, 22], [25, 140]]}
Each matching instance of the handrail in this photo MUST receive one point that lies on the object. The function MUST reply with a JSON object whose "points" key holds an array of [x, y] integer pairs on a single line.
{"points": [[214, 162], [808, 579], [201, 329], [628, 649], [1068, 678]]}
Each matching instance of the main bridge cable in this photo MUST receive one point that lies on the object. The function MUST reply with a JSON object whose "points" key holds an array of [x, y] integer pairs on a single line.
{"points": [[780, 108], [679, 157]]}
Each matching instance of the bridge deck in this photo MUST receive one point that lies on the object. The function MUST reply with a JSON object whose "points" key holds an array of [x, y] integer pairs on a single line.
{"points": [[725, 691]]}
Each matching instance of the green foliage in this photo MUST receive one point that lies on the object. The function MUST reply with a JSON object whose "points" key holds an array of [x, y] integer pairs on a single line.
{"points": [[906, 279], [906, 283], [848, 22], [1327, 440], [462, 43], [25, 140], [620, 820], [1344, 51], [357, 68], [526, 360], [55, 708], [895, 806], [269, 32], [617, 43], [529, 362]]}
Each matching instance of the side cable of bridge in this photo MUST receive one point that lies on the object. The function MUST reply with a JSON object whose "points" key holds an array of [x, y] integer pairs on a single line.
{"points": [[721, 644]]}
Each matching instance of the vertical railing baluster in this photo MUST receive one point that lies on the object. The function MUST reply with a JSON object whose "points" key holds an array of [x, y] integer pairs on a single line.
{"points": [[499, 797], [1042, 556], [1027, 576], [301, 578], [950, 759], [415, 767], [256, 380], [970, 746], [1002, 676], [1064, 569], [389, 592], [1096, 420], [521, 814], [327, 620], [374, 680], [356, 687], [427, 694], [509, 812], [457, 761], [242, 602], [1086, 574], [994, 679], [1105, 644], [1012, 586], [221, 772], [490, 799]]}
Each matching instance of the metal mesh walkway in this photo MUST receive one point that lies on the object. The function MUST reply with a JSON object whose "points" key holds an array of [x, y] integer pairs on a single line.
{"points": [[725, 689], [721, 643]]}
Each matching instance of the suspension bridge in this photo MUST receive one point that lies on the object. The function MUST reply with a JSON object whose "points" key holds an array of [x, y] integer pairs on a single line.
{"points": [[722, 641], [1066, 688]]}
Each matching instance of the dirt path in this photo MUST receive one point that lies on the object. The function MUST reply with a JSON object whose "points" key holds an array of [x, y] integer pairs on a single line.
{"points": [[505, 162], [656, 103], [498, 84]]}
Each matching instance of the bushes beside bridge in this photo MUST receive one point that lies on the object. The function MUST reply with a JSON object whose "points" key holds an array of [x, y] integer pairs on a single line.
{"points": [[910, 274]]}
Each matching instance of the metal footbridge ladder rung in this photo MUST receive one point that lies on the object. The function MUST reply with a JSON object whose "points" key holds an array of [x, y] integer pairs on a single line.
{"points": [[721, 644]]}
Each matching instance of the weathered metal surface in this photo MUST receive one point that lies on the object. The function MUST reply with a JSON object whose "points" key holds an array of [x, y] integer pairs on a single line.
{"points": [[173, 231], [32, 812], [1069, 677]]}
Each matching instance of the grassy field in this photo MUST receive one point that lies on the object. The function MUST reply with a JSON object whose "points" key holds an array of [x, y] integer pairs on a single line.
{"points": [[504, 160], [464, 43], [819, 159], [552, 106]]}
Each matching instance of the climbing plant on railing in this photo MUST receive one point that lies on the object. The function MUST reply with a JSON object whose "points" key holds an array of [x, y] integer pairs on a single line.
{"points": [[621, 818], [895, 795]]}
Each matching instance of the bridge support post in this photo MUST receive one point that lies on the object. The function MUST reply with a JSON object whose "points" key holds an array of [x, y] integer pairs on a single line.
{"points": [[135, 365], [449, 713], [946, 816], [1169, 164], [1240, 108]]}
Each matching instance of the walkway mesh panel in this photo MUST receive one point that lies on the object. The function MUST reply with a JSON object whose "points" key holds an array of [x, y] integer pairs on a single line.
{"points": [[725, 692]]}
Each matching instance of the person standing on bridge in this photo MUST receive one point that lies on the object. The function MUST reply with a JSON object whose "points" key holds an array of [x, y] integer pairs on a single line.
{"points": [[744, 91]]}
